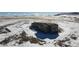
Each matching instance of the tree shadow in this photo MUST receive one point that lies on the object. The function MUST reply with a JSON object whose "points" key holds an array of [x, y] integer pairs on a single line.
{"points": [[43, 35]]}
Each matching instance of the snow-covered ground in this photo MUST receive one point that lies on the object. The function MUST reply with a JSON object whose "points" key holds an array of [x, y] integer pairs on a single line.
{"points": [[68, 24]]}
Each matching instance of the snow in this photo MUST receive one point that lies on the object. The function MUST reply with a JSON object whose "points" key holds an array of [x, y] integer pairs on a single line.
{"points": [[23, 25]]}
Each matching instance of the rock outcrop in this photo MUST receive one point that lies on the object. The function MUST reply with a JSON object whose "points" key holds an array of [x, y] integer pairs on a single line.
{"points": [[4, 30], [45, 27]]}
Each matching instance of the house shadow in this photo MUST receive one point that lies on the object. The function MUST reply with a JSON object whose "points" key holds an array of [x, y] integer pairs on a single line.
{"points": [[42, 35]]}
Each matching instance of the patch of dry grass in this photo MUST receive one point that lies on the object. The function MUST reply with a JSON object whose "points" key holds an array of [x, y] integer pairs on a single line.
{"points": [[66, 42], [21, 38]]}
